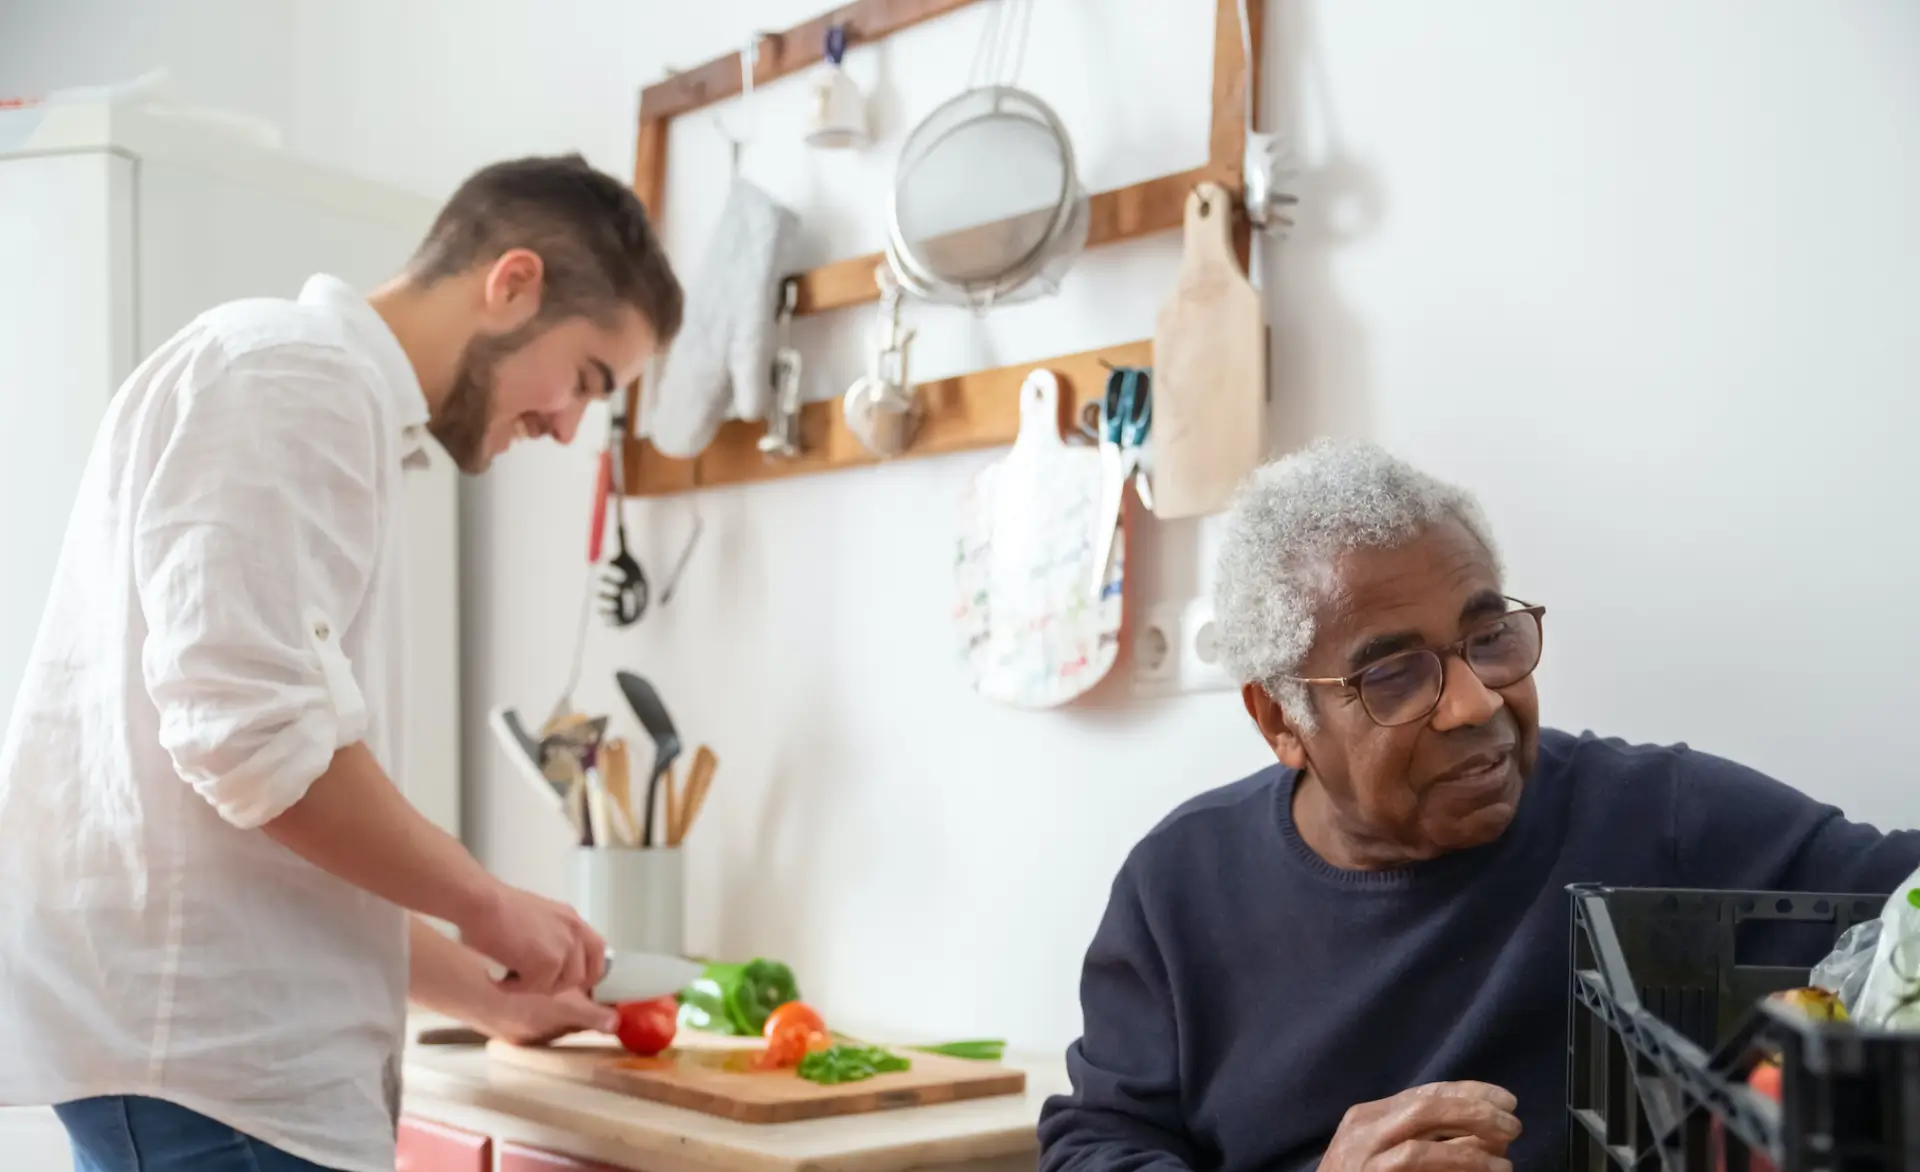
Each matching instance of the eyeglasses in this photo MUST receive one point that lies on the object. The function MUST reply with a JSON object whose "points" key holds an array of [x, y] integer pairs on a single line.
{"points": [[1406, 686]]}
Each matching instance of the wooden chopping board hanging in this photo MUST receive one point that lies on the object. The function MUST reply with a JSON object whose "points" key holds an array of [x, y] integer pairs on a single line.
{"points": [[1209, 369], [1031, 632]]}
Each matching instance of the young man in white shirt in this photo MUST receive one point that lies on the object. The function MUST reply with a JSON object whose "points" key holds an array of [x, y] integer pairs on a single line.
{"points": [[205, 869]]}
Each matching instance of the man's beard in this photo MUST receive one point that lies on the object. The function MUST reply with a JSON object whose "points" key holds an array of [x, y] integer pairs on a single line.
{"points": [[461, 422]]}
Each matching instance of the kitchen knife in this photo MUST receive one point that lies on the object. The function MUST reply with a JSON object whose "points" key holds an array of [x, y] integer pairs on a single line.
{"points": [[641, 976], [450, 1036]]}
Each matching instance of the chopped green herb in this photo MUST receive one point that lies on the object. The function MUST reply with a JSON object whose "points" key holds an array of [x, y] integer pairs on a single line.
{"points": [[842, 1063], [979, 1050]]}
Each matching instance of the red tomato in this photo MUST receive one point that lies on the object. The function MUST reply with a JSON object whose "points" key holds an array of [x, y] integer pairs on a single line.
{"points": [[647, 1027], [788, 1047], [1766, 1079], [786, 1050], [791, 1031], [792, 1015]]}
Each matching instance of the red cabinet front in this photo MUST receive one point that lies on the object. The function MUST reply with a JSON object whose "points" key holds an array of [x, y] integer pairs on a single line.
{"points": [[426, 1146], [519, 1158]]}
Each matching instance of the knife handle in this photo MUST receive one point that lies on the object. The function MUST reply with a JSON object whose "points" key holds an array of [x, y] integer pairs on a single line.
{"points": [[606, 970]]}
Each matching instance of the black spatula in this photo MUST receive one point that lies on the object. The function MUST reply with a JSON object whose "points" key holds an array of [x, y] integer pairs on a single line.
{"points": [[652, 713]]}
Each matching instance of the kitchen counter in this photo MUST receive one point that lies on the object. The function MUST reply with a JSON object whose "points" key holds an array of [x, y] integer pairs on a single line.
{"points": [[459, 1087]]}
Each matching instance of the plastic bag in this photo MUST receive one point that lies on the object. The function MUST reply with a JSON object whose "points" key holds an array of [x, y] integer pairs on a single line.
{"points": [[1890, 998], [1844, 972]]}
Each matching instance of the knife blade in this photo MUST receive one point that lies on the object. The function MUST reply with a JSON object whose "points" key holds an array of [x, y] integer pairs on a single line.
{"points": [[643, 976], [640, 976]]}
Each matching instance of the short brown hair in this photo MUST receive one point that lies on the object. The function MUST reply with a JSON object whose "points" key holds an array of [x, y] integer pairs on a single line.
{"points": [[591, 232]]}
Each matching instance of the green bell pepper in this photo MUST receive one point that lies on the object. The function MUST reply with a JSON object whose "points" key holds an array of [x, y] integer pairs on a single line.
{"points": [[736, 998]]}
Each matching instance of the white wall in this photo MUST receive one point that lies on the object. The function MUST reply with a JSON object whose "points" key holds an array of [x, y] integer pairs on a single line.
{"points": [[235, 54], [1643, 274]]}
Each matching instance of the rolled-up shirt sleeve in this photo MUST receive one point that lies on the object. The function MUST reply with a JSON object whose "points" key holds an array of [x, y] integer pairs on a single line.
{"points": [[254, 544]]}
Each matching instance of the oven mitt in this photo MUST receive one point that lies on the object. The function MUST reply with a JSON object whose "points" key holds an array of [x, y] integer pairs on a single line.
{"points": [[721, 364]]}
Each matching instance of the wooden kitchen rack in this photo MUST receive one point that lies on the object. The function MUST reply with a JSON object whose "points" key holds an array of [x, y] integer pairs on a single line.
{"points": [[965, 411]]}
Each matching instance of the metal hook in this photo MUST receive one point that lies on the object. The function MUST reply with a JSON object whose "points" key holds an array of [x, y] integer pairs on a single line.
{"points": [[1089, 420], [749, 65]]}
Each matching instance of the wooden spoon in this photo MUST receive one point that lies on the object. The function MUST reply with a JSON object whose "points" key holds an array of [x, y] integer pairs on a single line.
{"points": [[616, 771], [699, 777]]}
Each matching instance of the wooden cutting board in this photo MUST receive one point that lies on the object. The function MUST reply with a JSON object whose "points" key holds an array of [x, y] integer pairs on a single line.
{"points": [[718, 1080], [1031, 630], [1209, 369]]}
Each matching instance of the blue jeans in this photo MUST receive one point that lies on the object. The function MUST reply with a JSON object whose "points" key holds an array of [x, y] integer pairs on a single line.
{"points": [[130, 1133]]}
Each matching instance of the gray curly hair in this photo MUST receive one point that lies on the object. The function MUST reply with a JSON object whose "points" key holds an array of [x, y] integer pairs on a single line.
{"points": [[1290, 520]]}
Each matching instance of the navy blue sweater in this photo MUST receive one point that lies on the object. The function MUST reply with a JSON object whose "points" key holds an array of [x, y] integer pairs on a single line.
{"points": [[1241, 994]]}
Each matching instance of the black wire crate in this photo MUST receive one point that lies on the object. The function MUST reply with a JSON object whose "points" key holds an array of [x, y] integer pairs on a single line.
{"points": [[1669, 1015]]}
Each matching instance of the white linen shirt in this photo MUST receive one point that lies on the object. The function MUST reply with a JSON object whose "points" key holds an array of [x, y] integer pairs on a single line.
{"points": [[225, 615]]}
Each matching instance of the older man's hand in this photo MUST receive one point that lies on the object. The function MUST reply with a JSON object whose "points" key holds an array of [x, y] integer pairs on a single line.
{"points": [[1439, 1127]]}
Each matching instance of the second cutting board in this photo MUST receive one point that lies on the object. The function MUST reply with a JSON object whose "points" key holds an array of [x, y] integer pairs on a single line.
{"points": [[1209, 369], [1031, 633], [718, 1081]]}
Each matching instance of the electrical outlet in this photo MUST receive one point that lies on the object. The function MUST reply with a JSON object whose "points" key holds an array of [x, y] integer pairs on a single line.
{"points": [[1176, 649], [1156, 650]]}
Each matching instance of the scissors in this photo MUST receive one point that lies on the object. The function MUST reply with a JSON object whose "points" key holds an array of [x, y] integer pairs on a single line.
{"points": [[1126, 416]]}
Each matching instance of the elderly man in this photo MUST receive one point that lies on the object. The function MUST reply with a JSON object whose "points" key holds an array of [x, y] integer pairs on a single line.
{"points": [[1357, 957]]}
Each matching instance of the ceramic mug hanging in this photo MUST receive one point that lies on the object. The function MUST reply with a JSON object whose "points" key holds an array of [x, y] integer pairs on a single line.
{"points": [[839, 118]]}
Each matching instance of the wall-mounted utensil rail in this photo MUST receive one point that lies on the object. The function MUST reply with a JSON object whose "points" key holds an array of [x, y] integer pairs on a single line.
{"points": [[967, 411]]}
